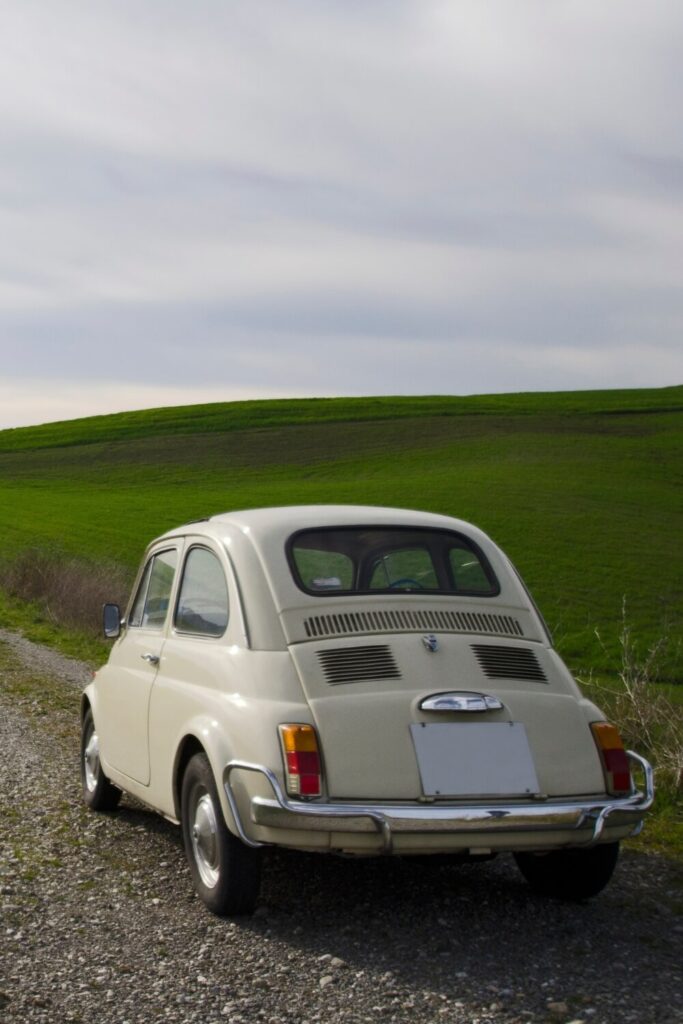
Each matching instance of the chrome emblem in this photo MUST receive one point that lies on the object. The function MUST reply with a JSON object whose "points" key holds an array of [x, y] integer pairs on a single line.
{"points": [[430, 642]]}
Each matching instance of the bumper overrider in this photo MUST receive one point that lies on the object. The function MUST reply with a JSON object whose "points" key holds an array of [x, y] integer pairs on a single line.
{"points": [[586, 818]]}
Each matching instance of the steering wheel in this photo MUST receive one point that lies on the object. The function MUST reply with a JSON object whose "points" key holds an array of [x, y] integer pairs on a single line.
{"points": [[406, 581]]}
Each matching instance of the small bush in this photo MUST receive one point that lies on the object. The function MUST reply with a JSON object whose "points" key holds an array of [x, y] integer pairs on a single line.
{"points": [[648, 720], [69, 590]]}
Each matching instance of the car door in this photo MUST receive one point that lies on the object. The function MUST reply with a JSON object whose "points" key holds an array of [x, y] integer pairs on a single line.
{"points": [[125, 685], [197, 664]]}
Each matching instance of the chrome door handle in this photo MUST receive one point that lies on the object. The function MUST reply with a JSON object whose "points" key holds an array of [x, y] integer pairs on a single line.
{"points": [[153, 659]]}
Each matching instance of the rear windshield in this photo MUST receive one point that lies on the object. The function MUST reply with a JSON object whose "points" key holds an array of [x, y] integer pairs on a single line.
{"points": [[369, 560]]}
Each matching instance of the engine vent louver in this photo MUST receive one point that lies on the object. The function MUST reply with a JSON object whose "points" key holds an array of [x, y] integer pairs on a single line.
{"points": [[509, 663], [396, 620], [358, 664]]}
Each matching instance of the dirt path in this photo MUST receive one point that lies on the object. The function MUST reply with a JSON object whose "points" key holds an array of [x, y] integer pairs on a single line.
{"points": [[99, 922]]}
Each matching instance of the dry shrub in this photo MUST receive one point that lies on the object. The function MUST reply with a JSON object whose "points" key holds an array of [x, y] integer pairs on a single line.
{"points": [[648, 720], [69, 590]]}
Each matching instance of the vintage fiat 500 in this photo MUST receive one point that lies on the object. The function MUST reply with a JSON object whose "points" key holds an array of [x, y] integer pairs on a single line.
{"points": [[356, 680]]}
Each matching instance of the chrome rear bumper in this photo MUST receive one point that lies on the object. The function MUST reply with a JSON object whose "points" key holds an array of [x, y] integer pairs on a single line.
{"points": [[585, 817]]}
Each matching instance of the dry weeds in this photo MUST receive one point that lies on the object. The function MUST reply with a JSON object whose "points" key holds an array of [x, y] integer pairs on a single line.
{"points": [[69, 590]]}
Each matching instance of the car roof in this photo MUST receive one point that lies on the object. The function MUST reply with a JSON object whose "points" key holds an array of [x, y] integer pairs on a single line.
{"points": [[296, 517], [267, 526]]}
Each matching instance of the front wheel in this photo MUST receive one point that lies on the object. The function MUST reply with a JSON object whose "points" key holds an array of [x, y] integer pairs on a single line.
{"points": [[226, 873], [98, 792], [570, 874]]}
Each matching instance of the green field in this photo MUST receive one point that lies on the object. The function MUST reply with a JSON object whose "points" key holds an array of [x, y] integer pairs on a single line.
{"points": [[582, 489]]}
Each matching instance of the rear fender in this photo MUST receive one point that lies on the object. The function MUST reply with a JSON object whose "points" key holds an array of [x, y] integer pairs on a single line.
{"points": [[255, 738], [202, 735]]}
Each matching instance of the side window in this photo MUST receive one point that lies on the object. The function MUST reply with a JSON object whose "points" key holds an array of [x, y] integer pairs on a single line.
{"points": [[203, 598], [152, 599]]}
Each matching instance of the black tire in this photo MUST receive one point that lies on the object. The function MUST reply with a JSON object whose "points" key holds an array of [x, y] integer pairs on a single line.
{"points": [[98, 792], [226, 873], [570, 874]]}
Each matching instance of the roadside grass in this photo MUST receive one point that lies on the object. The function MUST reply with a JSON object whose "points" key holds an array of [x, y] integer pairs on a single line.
{"points": [[68, 590], [663, 832], [39, 695], [650, 719], [30, 619]]}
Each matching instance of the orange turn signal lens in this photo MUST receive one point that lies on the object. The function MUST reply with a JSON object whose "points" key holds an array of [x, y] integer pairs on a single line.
{"points": [[301, 759], [614, 758]]}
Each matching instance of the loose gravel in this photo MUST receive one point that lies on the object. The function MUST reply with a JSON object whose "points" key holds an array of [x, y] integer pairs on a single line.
{"points": [[100, 922]]}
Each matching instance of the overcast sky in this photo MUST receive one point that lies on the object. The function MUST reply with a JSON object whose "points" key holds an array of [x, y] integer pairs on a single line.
{"points": [[217, 200]]}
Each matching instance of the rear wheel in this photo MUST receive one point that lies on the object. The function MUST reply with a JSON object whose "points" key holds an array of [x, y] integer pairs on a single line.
{"points": [[570, 874], [226, 873], [98, 792]]}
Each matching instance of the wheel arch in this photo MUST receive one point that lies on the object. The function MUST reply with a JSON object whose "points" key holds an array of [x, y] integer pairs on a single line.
{"points": [[200, 738], [187, 748], [88, 700]]}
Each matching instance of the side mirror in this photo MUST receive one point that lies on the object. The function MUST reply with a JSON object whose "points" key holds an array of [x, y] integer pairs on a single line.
{"points": [[111, 615]]}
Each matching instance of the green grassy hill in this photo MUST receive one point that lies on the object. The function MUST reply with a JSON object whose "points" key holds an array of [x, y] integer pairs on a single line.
{"points": [[582, 489]]}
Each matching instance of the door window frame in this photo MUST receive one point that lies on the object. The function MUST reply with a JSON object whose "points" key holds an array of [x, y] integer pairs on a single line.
{"points": [[146, 582], [198, 546]]}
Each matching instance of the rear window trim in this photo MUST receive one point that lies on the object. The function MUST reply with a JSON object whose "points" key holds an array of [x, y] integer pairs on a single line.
{"points": [[388, 591]]}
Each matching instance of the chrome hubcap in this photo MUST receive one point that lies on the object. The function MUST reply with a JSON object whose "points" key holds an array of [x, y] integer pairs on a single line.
{"points": [[205, 841], [91, 761]]}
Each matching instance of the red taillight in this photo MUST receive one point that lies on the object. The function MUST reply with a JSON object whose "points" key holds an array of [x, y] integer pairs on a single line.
{"points": [[301, 760], [614, 758]]}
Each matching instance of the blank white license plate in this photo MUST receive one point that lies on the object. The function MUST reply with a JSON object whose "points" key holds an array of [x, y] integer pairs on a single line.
{"points": [[474, 759]]}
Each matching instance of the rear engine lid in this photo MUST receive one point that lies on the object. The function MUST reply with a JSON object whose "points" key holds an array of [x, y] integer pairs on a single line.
{"points": [[365, 694]]}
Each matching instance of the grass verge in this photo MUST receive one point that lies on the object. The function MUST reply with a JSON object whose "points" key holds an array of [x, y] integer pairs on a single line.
{"points": [[56, 599], [29, 618]]}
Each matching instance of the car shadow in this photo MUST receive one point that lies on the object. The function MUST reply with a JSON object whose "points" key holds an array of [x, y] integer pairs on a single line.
{"points": [[459, 927], [456, 929]]}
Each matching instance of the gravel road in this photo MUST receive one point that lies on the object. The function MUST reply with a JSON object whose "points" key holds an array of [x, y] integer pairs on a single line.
{"points": [[100, 923]]}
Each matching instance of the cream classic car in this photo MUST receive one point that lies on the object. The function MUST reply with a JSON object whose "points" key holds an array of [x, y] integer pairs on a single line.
{"points": [[355, 680]]}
